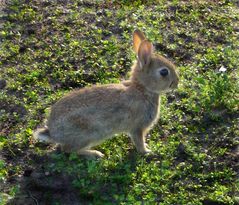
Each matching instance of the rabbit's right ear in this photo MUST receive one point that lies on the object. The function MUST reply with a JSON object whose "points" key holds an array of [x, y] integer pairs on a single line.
{"points": [[144, 53], [138, 37]]}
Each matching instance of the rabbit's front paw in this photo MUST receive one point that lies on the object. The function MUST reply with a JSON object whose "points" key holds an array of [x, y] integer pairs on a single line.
{"points": [[145, 150]]}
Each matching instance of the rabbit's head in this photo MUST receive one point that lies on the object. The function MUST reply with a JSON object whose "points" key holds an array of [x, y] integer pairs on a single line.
{"points": [[153, 71]]}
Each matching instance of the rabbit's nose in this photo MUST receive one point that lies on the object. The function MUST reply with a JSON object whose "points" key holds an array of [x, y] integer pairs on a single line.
{"points": [[177, 81]]}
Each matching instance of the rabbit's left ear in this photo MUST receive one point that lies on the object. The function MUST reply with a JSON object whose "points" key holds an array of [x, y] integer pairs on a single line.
{"points": [[144, 53], [138, 37]]}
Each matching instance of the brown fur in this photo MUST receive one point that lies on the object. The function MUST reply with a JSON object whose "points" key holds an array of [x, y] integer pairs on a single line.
{"points": [[86, 117]]}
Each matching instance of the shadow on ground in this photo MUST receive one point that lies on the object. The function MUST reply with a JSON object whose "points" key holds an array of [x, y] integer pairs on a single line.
{"points": [[38, 185]]}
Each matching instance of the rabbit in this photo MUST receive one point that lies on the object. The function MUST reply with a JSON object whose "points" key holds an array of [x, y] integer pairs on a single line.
{"points": [[86, 117]]}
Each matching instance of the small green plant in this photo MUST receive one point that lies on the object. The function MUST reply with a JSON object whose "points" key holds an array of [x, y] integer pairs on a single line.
{"points": [[3, 171], [218, 90]]}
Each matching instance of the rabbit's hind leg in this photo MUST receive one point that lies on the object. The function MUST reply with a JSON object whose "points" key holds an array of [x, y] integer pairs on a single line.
{"points": [[82, 146], [87, 152], [90, 153]]}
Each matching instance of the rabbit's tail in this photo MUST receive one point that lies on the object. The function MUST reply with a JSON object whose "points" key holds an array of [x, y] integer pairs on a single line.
{"points": [[42, 134]]}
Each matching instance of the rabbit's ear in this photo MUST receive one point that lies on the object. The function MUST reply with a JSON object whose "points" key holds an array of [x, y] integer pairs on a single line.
{"points": [[138, 37], [144, 53]]}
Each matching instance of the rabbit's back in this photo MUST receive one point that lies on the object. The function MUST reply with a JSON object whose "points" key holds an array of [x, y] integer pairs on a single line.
{"points": [[86, 100]]}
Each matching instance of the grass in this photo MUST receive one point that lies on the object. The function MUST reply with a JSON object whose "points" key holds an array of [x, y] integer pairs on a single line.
{"points": [[50, 47]]}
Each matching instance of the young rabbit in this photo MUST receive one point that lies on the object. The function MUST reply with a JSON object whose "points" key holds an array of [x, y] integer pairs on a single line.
{"points": [[86, 117]]}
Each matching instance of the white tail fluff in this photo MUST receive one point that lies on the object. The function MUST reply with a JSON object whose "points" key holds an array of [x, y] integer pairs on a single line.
{"points": [[42, 134]]}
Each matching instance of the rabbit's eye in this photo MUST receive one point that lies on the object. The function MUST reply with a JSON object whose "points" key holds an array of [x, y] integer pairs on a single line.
{"points": [[164, 72]]}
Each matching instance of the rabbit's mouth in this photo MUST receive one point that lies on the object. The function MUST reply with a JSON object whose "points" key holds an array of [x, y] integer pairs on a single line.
{"points": [[173, 85]]}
